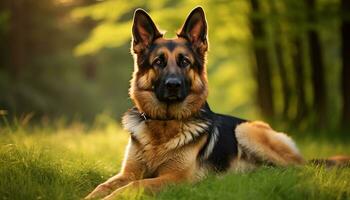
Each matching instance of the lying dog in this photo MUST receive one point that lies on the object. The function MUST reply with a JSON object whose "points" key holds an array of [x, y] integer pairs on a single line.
{"points": [[174, 136]]}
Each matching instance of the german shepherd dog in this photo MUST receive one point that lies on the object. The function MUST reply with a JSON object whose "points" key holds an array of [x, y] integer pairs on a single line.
{"points": [[174, 135]]}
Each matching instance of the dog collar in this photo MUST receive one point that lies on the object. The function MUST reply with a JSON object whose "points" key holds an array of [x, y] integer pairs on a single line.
{"points": [[145, 117]]}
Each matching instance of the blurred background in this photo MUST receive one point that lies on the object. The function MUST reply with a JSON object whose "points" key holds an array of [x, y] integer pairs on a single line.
{"points": [[284, 61]]}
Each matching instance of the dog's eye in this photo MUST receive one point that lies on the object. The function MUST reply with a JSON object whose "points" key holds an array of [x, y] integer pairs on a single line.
{"points": [[184, 62], [159, 62]]}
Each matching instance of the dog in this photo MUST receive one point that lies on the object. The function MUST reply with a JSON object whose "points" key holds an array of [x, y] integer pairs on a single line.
{"points": [[174, 135]]}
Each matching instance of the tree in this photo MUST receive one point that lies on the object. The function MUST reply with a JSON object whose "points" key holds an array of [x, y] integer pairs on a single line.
{"points": [[277, 26], [17, 46], [263, 71], [299, 80], [345, 82], [317, 66]]}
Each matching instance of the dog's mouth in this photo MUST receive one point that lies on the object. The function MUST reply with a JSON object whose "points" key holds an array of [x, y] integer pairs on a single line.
{"points": [[171, 95], [173, 98]]}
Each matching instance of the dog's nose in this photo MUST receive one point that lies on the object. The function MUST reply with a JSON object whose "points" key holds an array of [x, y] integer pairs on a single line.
{"points": [[173, 83]]}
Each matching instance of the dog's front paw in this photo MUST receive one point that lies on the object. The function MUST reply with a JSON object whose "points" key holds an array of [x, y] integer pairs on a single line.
{"points": [[100, 191]]}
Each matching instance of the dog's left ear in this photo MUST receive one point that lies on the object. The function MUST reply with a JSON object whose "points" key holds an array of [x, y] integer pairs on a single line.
{"points": [[195, 29]]}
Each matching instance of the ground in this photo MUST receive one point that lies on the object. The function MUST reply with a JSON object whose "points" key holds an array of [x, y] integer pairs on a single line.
{"points": [[66, 162]]}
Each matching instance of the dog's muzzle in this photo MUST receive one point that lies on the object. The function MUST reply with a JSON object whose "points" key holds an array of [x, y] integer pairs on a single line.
{"points": [[172, 89]]}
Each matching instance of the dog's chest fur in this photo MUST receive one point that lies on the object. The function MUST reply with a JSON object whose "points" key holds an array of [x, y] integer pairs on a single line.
{"points": [[159, 141]]}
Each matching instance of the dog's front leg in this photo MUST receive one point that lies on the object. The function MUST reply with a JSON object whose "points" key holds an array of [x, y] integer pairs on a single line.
{"points": [[132, 169], [150, 185], [109, 186]]}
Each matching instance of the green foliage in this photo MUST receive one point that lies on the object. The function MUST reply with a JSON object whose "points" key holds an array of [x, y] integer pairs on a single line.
{"points": [[113, 36]]}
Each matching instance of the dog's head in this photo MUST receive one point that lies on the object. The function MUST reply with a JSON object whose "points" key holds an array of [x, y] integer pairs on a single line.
{"points": [[169, 80]]}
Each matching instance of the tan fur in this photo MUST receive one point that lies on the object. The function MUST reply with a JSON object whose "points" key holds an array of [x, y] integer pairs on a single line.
{"points": [[262, 142], [147, 102], [165, 135], [160, 152], [144, 81], [152, 165]]}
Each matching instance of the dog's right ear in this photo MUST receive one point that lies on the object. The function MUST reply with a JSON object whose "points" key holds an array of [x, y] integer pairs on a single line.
{"points": [[144, 31]]}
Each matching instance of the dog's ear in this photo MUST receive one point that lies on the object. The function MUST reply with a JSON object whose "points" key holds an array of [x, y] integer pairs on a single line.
{"points": [[144, 31], [195, 29]]}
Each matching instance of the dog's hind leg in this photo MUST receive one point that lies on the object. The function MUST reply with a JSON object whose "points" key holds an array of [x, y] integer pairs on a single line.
{"points": [[259, 141]]}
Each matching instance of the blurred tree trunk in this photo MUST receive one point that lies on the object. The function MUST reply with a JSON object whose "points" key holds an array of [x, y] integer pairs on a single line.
{"points": [[90, 62], [283, 74], [345, 29], [299, 80], [286, 90], [17, 37], [263, 71], [317, 68]]}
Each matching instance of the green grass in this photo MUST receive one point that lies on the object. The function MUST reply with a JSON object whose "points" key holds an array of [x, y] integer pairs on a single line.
{"points": [[66, 162]]}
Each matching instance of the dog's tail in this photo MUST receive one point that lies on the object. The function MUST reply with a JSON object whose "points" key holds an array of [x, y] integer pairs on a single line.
{"points": [[334, 161]]}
